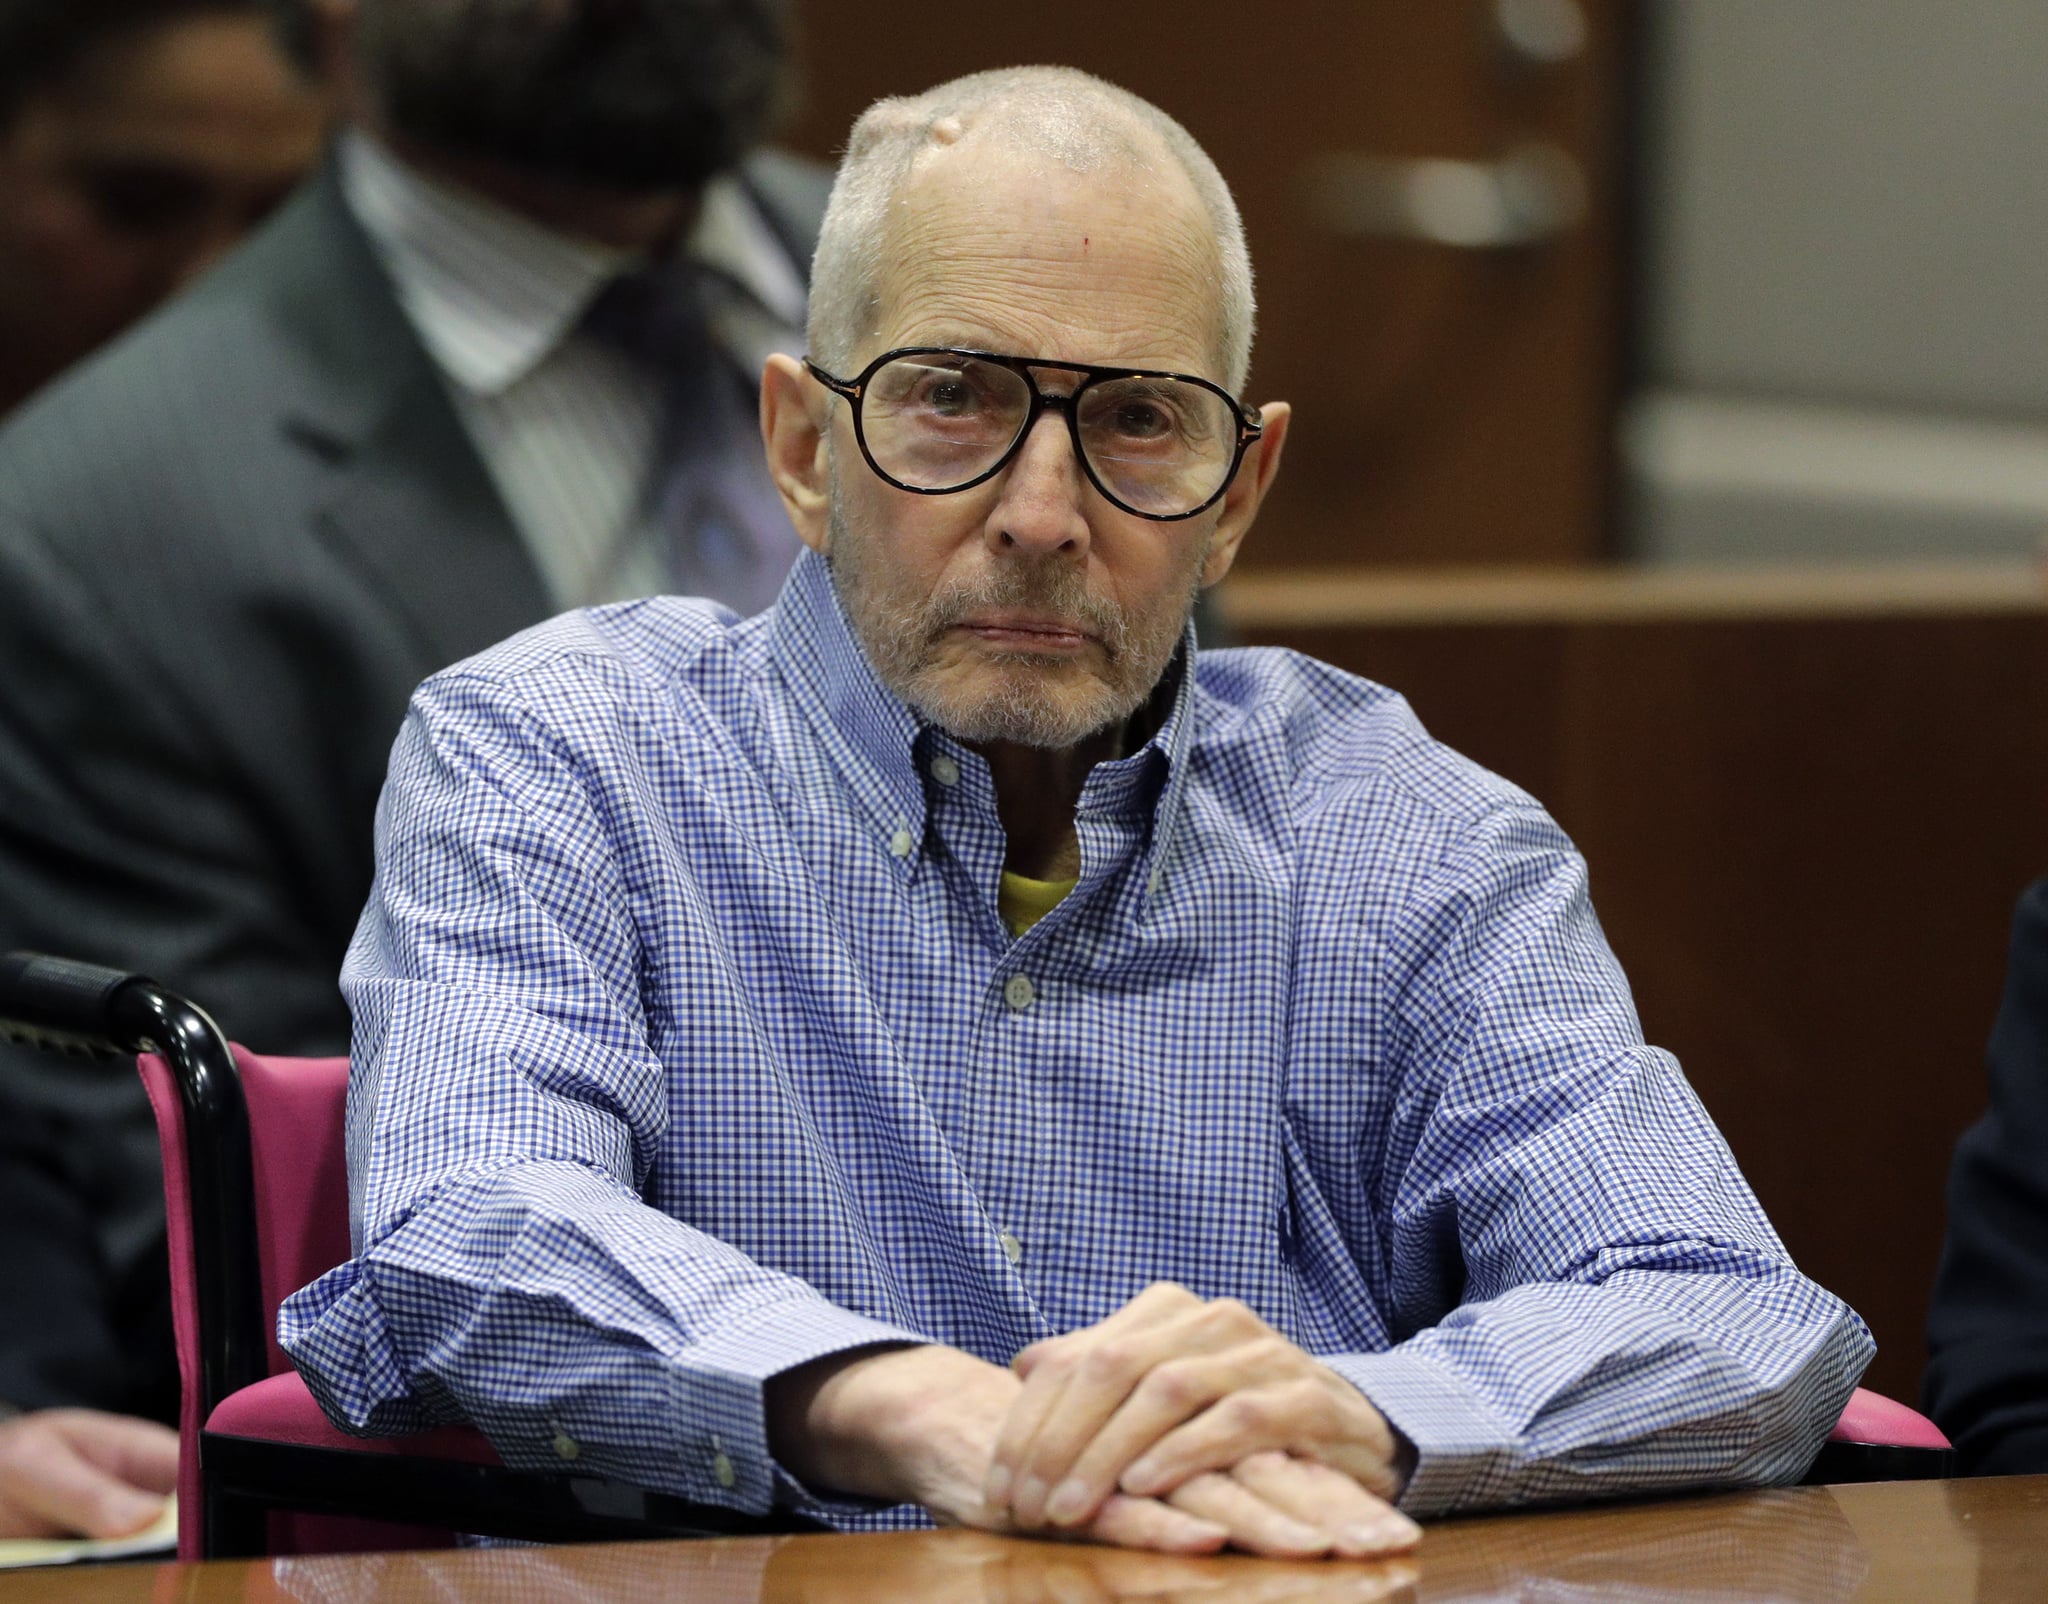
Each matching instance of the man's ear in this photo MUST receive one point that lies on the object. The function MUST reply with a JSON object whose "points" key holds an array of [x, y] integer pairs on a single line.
{"points": [[795, 417], [1247, 490]]}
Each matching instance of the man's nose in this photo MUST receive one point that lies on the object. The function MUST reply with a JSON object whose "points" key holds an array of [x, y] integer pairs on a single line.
{"points": [[1039, 510]]}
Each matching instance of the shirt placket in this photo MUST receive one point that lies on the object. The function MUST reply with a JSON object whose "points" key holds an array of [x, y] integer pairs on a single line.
{"points": [[1000, 1128], [1037, 998]]}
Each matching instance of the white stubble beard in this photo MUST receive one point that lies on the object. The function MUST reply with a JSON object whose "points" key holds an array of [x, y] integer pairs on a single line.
{"points": [[904, 639]]}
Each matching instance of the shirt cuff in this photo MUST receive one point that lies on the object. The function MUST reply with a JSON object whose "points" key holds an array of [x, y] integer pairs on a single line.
{"points": [[1462, 1448], [722, 1446]]}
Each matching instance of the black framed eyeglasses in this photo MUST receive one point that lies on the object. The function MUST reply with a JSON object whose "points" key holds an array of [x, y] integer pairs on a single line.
{"points": [[934, 419]]}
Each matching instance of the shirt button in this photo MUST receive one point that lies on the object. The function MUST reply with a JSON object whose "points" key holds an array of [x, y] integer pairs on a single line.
{"points": [[1013, 1250], [566, 1446], [900, 843], [721, 1467], [1155, 880], [945, 770], [1018, 992]]}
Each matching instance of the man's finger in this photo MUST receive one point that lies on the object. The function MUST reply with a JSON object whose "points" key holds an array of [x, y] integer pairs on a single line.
{"points": [[1160, 1301], [1359, 1525], [1252, 1522], [1147, 1523], [1172, 1392], [1078, 1382], [1033, 1406], [51, 1482], [142, 1453], [1062, 1410], [1300, 1415]]}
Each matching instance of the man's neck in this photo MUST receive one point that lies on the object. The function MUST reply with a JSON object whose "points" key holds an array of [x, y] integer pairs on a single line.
{"points": [[649, 222], [1037, 790]]}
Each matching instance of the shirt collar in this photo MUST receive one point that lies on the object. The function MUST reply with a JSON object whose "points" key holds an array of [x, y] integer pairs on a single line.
{"points": [[822, 662], [860, 719], [492, 293]]}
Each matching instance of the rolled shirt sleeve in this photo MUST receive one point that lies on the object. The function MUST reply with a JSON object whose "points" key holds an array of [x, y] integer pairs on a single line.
{"points": [[504, 1109], [1622, 1316]]}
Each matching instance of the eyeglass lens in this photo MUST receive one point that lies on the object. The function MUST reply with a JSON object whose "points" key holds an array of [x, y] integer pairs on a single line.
{"points": [[935, 421]]}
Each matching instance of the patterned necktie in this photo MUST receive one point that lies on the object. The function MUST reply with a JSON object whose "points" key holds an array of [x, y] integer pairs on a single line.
{"points": [[709, 500]]}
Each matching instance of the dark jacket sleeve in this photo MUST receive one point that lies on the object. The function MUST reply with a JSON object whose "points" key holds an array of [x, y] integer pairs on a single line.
{"points": [[103, 856], [125, 839], [1987, 1377], [129, 834], [84, 1286]]}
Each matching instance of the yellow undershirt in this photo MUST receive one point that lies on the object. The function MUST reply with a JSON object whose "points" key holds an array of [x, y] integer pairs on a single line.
{"points": [[1023, 902]]}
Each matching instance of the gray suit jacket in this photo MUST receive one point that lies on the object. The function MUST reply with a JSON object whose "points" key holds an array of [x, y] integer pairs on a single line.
{"points": [[230, 546]]}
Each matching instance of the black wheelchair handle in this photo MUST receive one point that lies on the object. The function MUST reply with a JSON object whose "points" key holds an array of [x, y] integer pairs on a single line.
{"points": [[65, 995]]}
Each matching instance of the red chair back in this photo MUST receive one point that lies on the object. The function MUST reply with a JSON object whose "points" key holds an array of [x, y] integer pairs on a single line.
{"points": [[299, 1168], [299, 1164], [1884, 1422]]}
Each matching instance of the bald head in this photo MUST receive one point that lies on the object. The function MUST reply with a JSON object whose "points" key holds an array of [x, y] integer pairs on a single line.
{"points": [[1066, 123]]}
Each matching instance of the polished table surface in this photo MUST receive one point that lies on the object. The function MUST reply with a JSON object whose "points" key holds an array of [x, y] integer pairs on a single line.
{"points": [[1984, 1539]]}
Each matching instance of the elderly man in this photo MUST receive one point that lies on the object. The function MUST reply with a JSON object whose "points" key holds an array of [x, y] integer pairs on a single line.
{"points": [[942, 1048]]}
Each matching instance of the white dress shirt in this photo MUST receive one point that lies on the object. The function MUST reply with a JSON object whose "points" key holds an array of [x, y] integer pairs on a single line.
{"points": [[567, 424]]}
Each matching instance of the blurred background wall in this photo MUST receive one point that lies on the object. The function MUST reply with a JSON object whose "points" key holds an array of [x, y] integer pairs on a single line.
{"points": [[1843, 272]]}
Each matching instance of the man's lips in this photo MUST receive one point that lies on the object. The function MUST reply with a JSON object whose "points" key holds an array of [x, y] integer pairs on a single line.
{"points": [[1024, 632]]}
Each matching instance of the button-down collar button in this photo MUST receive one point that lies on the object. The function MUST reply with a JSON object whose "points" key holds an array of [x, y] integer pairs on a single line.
{"points": [[1018, 992], [721, 1468], [945, 770], [566, 1446], [1013, 1250], [900, 843]]}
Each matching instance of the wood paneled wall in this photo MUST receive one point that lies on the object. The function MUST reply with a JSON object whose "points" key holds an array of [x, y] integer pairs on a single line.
{"points": [[1809, 801]]}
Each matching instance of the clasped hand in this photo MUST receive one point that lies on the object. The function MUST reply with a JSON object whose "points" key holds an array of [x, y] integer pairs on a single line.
{"points": [[1200, 1404], [1178, 1424]]}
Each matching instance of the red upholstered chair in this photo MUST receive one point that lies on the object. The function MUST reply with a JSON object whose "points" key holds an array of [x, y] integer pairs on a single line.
{"points": [[256, 1194], [1880, 1439], [256, 1197]]}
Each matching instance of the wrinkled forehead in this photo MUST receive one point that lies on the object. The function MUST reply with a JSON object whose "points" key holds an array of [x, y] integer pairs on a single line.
{"points": [[1018, 251]]}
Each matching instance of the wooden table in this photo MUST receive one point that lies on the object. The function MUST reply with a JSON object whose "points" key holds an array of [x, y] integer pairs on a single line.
{"points": [[1983, 1540]]}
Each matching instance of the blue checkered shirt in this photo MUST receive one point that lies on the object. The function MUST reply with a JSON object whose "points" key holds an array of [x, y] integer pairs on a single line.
{"points": [[690, 1046]]}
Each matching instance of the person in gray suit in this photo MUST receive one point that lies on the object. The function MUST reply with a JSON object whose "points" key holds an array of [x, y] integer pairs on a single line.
{"points": [[485, 366]]}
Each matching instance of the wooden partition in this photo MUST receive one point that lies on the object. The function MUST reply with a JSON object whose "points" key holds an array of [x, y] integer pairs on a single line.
{"points": [[1809, 800]]}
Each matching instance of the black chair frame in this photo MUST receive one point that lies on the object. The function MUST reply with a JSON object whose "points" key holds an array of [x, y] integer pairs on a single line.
{"points": [[59, 1005], [1869, 1461]]}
